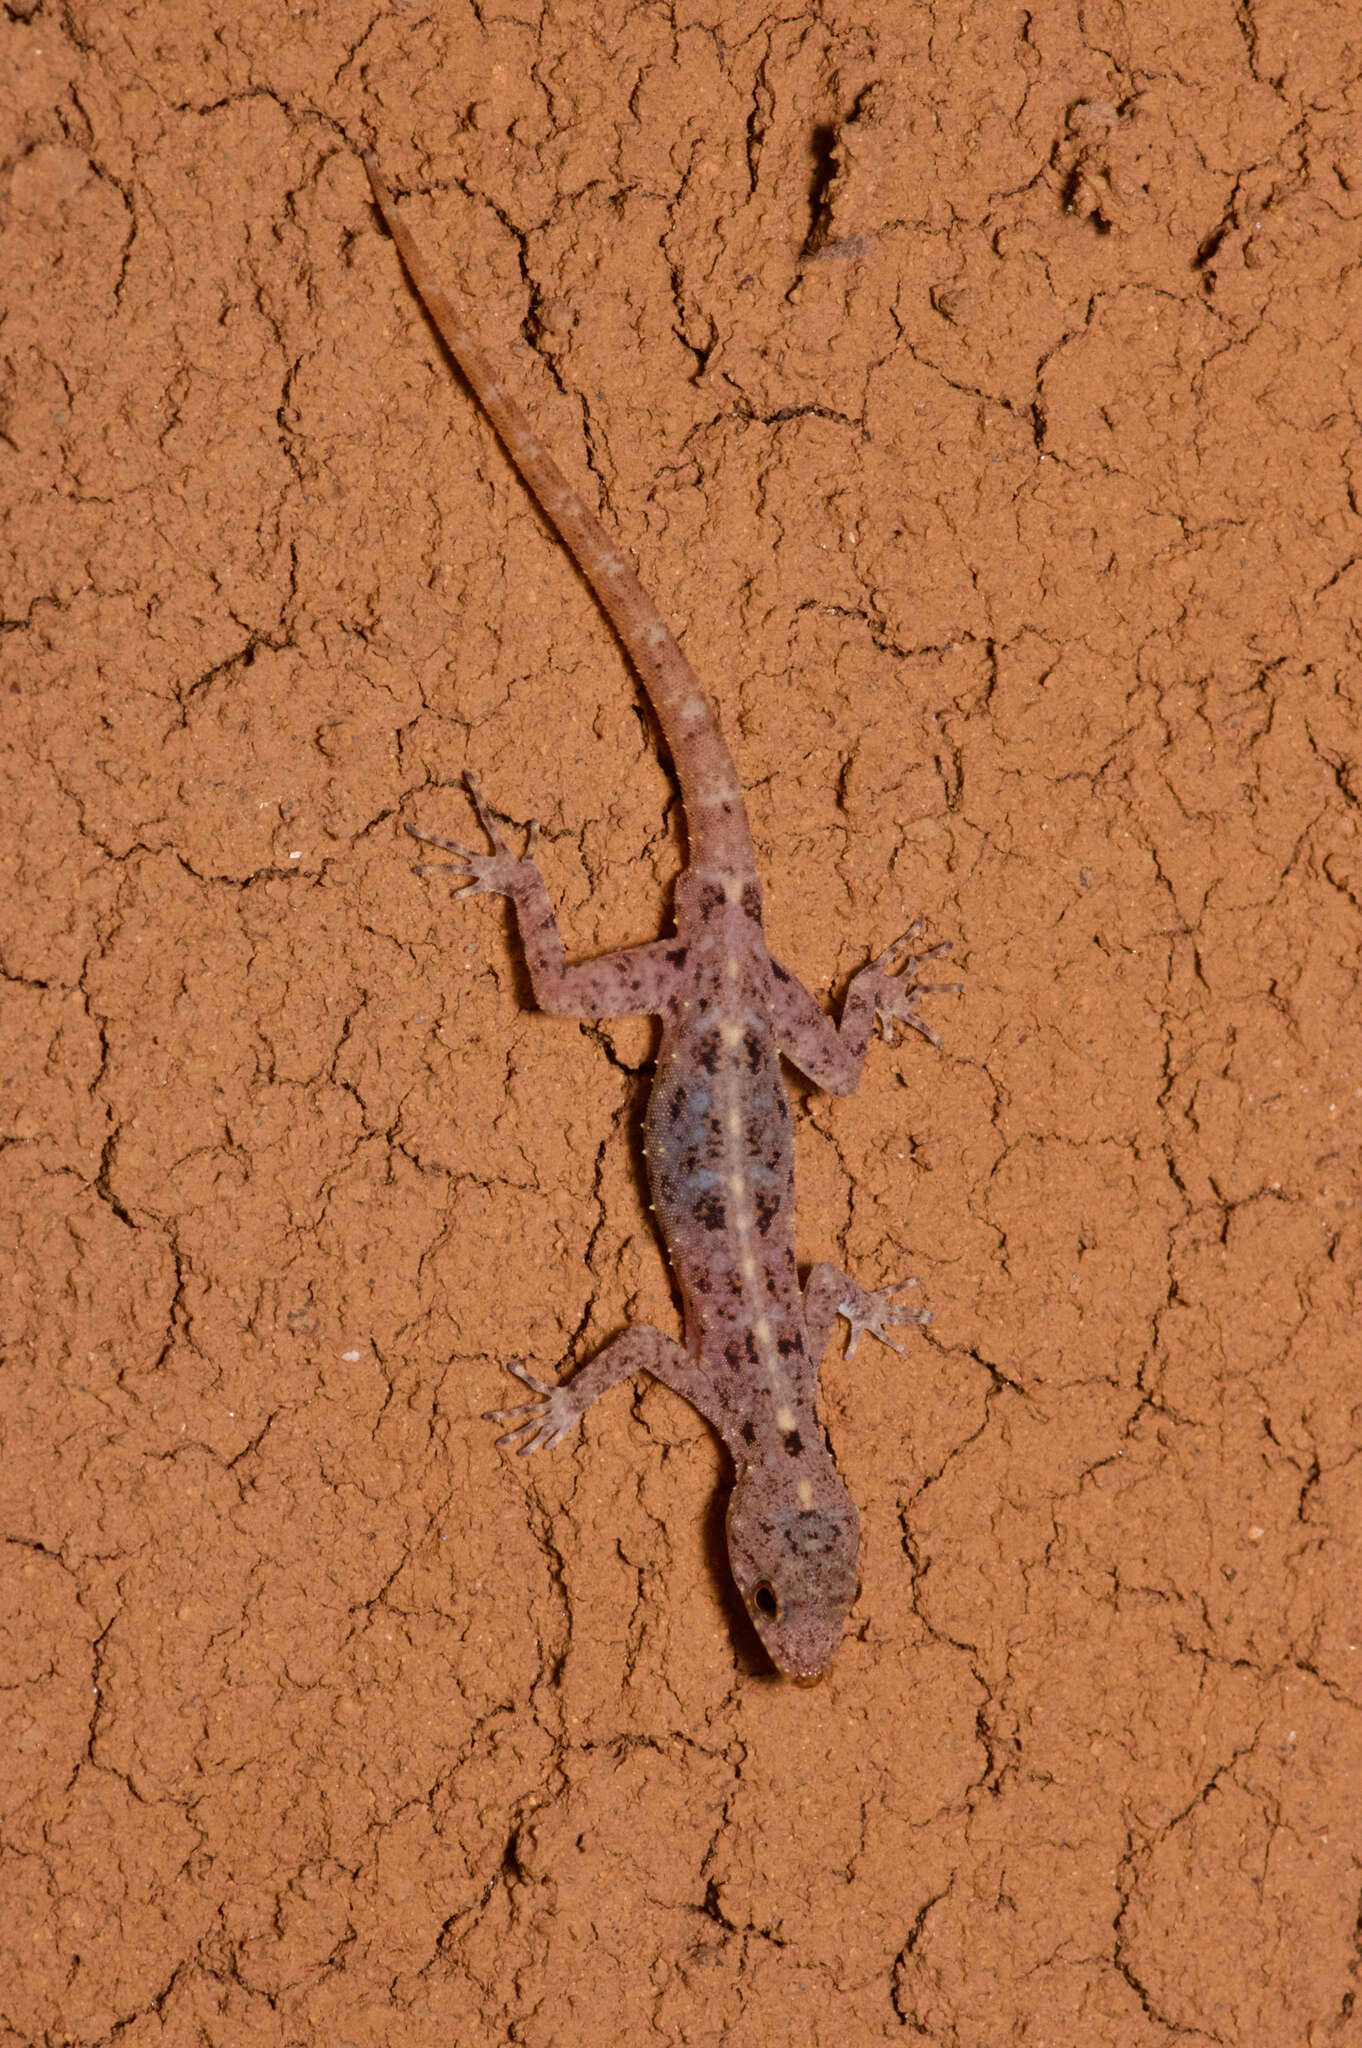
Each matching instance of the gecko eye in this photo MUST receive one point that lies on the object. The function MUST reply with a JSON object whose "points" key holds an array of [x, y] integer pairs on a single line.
{"points": [[765, 1601]]}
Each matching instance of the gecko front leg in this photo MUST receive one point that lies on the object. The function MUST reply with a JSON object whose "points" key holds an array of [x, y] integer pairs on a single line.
{"points": [[638, 981], [542, 1423], [829, 1293]]}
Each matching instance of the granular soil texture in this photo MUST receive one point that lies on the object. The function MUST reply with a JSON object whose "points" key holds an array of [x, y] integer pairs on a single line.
{"points": [[980, 393]]}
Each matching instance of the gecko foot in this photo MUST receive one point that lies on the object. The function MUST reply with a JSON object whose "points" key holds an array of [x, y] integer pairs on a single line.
{"points": [[542, 1423], [897, 999], [875, 1314], [497, 873]]}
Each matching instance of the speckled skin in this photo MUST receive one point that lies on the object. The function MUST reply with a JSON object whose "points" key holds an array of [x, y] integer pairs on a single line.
{"points": [[718, 1138]]}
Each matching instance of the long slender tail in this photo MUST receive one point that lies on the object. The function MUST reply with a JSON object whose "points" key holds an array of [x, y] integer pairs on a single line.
{"points": [[716, 817]]}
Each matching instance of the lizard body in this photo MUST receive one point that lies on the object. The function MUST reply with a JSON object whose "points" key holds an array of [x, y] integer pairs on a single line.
{"points": [[718, 1138]]}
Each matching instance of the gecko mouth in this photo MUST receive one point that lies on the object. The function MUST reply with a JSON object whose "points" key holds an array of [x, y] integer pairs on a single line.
{"points": [[795, 1568], [766, 1605]]}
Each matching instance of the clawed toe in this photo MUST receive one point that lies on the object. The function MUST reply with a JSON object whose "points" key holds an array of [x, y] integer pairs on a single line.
{"points": [[894, 951], [536, 1432], [490, 826], [445, 845], [879, 1315], [526, 1378], [498, 873], [889, 1018], [485, 818], [901, 991], [535, 1425]]}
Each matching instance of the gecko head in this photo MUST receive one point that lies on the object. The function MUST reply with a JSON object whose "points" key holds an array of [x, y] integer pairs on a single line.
{"points": [[795, 1564]]}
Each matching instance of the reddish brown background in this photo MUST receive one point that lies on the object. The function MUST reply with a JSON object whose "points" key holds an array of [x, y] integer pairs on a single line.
{"points": [[979, 391]]}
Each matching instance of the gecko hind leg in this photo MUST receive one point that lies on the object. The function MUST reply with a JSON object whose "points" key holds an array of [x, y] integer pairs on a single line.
{"points": [[498, 873]]}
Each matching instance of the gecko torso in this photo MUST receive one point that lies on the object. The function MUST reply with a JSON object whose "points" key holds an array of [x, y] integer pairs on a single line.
{"points": [[718, 1139]]}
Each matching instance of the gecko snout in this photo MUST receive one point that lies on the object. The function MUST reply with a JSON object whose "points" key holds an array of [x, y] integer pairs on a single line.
{"points": [[796, 1568], [766, 1600]]}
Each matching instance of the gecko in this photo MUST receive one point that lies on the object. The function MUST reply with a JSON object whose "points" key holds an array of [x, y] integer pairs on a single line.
{"points": [[718, 1137]]}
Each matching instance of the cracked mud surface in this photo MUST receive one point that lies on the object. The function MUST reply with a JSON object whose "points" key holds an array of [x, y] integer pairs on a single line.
{"points": [[980, 394]]}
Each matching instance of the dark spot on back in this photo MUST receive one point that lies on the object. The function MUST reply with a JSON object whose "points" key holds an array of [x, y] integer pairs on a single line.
{"points": [[767, 1207], [794, 1442], [755, 1050], [707, 1052], [710, 898], [748, 1433], [780, 973], [751, 902], [708, 1211]]}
